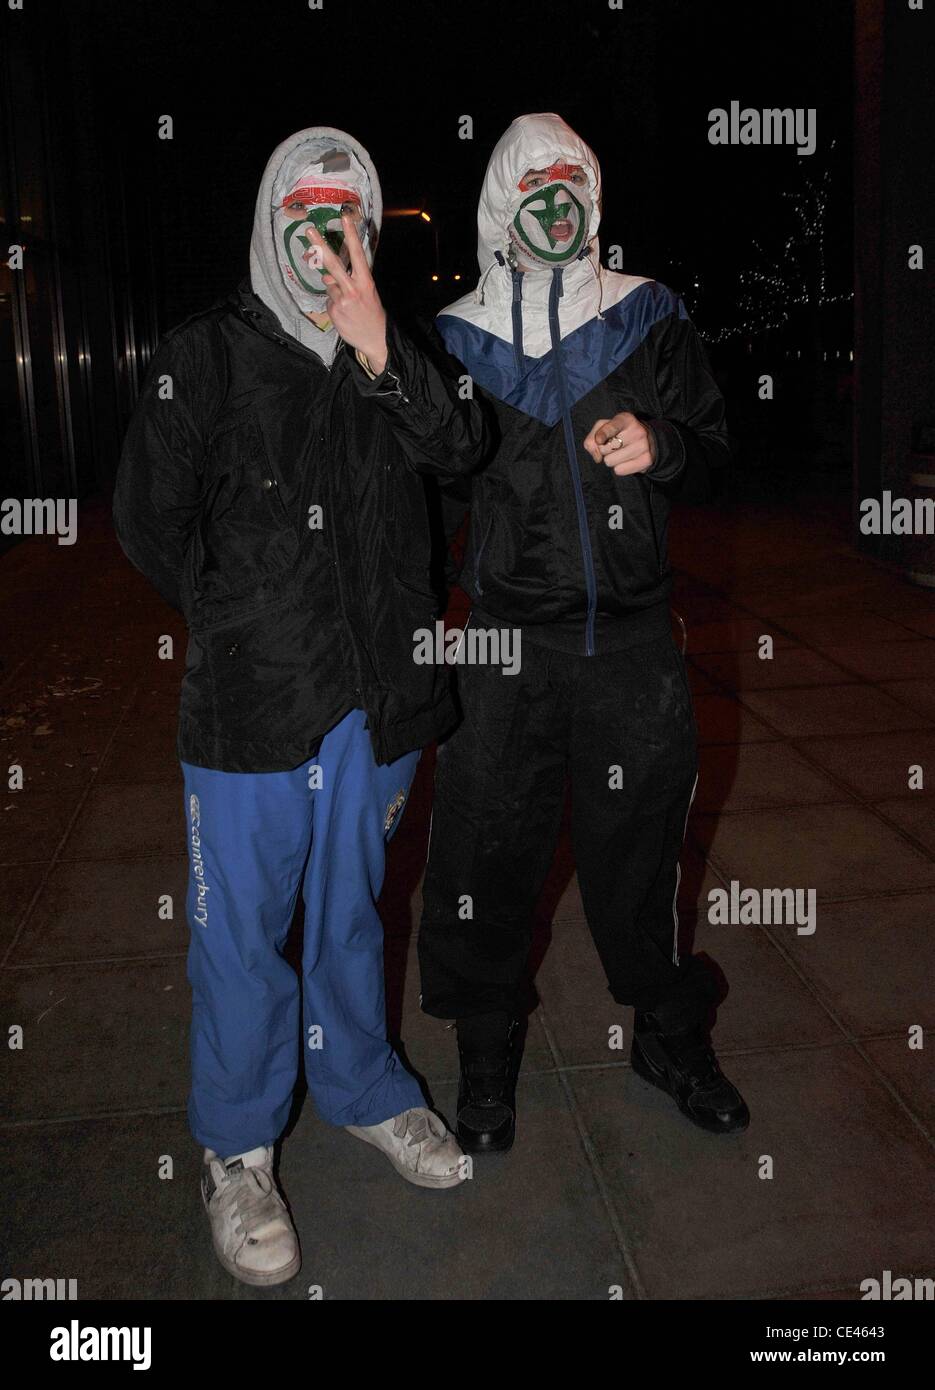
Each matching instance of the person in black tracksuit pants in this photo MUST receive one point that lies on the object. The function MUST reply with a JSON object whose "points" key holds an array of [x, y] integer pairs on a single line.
{"points": [[606, 409]]}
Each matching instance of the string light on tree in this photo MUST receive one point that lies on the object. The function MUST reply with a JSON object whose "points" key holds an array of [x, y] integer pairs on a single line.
{"points": [[793, 276]]}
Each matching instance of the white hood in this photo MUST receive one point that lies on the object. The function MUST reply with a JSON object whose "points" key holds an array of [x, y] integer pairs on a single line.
{"points": [[531, 142], [267, 257], [535, 142]]}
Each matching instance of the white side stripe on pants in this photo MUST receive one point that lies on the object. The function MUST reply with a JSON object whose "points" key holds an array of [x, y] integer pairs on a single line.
{"points": [[678, 880]]}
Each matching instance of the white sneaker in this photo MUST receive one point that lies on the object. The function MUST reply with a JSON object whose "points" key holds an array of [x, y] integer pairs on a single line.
{"points": [[253, 1234], [419, 1147]]}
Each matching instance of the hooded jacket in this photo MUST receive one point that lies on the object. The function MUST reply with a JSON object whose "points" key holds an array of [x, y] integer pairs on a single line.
{"points": [[277, 503], [559, 545]]}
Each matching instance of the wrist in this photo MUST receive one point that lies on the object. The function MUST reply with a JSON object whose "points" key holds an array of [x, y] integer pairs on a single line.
{"points": [[377, 359], [375, 351]]}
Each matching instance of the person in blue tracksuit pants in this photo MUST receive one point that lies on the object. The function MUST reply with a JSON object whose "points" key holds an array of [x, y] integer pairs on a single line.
{"points": [[249, 844], [271, 487]]}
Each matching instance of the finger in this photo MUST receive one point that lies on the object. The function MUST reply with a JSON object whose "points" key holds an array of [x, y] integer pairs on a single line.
{"points": [[590, 441], [627, 454], [359, 264], [329, 261], [333, 293], [617, 425], [637, 466], [623, 439]]}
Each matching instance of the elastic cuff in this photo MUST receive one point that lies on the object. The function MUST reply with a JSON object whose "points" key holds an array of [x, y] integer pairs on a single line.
{"points": [[688, 1002], [670, 451]]}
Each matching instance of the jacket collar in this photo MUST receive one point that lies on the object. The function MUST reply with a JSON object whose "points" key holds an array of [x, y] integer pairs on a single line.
{"points": [[579, 283], [261, 317], [250, 306]]}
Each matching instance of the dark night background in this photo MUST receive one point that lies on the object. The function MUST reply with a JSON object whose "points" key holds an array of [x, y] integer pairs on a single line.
{"points": [[127, 234]]}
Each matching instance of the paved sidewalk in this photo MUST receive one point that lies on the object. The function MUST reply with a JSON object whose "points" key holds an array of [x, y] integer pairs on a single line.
{"points": [[804, 783]]}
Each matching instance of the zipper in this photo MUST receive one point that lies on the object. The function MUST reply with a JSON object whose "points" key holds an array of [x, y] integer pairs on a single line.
{"points": [[516, 311], [478, 556], [572, 452], [397, 390], [373, 722]]}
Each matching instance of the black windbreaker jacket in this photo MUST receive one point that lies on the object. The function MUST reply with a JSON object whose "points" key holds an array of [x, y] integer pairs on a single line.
{"points": [[560, 546], [278, 505]]}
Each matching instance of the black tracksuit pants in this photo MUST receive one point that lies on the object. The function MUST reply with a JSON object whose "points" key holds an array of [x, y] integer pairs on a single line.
{"points": [[621, 724]]}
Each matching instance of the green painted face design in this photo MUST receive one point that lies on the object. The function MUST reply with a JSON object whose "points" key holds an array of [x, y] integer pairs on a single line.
{"points": [[536, 220], [297, 243]]}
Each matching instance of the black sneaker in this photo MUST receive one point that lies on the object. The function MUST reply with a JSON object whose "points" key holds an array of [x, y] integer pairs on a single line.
{"points": [[489, 1057], [684, 1065]]}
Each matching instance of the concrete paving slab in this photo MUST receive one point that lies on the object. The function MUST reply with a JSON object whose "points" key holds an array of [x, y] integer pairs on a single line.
{"points": [[702, 1221], [32, 823], [129, 819], [840, 851], [887, 661], [92, 910], [722, 719], [749, 776], [877, 766], [96, 1038], [788, 667], [873, 960], [830, 710]]}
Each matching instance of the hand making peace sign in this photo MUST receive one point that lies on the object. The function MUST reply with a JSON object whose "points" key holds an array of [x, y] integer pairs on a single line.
{"points": [[354, 305]]}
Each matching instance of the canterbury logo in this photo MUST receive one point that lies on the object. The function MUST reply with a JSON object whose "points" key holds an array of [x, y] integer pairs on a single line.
{"points": [[198, 864]]}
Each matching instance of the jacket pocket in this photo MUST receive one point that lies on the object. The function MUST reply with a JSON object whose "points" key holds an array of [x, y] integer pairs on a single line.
{"points": [[237, 452], [416, 583], [405, 516], [246, 538], [232, 609]]}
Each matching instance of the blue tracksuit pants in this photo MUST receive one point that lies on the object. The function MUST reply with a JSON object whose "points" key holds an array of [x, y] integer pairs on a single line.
{"points": [[255, 839]]}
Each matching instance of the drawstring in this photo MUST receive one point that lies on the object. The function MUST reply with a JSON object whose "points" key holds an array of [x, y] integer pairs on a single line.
{"points": [[519, 357], [556, 292], [479, 292], [592, 262]]}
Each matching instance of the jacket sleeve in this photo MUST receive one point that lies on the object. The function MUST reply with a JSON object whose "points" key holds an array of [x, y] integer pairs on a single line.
{"points": [[692, 442], [418, 393], [157, 495]]}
